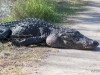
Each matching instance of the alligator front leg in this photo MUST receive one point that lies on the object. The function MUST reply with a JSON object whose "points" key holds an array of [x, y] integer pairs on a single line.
{"points": [[29, 41], [54, 40]]}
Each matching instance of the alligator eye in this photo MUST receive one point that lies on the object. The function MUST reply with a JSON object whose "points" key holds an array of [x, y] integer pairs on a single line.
{"points": [[60, 34], [65, 37]]}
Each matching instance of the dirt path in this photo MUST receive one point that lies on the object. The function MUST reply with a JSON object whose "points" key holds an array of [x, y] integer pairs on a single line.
{"points": [[71, 61]]}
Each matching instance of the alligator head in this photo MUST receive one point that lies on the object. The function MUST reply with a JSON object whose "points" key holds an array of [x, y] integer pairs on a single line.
{"points": [[72, 39], [77, 40]]}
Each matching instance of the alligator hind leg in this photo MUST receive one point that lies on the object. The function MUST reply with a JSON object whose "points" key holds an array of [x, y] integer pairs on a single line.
{"points": [[53, 40], [4, 32], [29, 41]]}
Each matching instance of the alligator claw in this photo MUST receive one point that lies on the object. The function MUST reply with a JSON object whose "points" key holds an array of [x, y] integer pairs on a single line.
{"points": [[16, 43]]}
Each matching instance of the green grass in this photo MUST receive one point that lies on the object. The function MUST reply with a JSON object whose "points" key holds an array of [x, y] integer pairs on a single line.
{"points": [[48, 10], [43, 9]]}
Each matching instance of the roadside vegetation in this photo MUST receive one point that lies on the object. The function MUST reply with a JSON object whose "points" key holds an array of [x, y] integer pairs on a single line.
{"points": [[48, 10], [13, 60]]}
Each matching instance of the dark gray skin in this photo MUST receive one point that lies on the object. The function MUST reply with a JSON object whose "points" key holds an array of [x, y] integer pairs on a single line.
{"points": [[35, 31]]}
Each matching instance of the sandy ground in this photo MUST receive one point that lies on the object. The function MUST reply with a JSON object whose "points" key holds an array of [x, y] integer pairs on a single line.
{"points": [[71, 61]]}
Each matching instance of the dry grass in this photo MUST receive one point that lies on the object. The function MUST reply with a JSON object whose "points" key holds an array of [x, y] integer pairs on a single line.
{"points": [[13, 59]]}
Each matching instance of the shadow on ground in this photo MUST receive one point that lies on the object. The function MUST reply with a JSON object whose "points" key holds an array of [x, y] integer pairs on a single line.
{"points": [[97, 49], [89, 17]]}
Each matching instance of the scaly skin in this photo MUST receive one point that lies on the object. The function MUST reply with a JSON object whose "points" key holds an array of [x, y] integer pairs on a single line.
{"points": [[35, 31]]}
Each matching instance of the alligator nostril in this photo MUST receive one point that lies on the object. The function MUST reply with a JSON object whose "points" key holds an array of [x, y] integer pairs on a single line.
{"points": [[95, 43]]}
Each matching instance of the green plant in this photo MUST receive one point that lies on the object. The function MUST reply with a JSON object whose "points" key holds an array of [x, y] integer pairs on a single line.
{"points": [[48, 10], [7, 19], [43, 9]]}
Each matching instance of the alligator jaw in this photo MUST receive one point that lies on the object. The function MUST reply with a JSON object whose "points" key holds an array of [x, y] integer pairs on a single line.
{"points": [[92, 46], [80, 46]]}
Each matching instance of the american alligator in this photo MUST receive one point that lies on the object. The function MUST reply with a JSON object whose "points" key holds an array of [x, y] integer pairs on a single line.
{"points": [[35, 31]]}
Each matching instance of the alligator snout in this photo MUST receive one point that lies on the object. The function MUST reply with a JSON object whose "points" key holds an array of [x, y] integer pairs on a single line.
{"points": [[86, 43], [90, 45]]}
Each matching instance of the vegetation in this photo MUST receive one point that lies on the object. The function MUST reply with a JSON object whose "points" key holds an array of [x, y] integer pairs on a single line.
{"points": [[43, 9], [48, 10]]}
